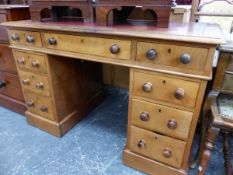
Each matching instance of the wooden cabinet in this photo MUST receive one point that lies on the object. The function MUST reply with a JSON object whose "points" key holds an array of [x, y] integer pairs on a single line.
{"points": [[11, 95], [168, 77]]}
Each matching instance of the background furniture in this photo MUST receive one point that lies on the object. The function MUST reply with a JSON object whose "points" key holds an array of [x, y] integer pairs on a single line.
{"points": [[10, 90], [219, 109]]}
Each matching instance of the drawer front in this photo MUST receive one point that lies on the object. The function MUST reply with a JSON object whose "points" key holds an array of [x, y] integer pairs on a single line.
{"points": [[165, 120], [40, 105], [228, 82], [158, 147], [31, 61], [27, 38], [7, 62], [230, 64], [10, 86], [184, 57], [165, 88], [110, 48], [35, 83]]}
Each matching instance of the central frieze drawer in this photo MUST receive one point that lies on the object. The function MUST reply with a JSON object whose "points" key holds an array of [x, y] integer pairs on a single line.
{"points": [[165, 88], [40, 105], [32, 61], [35, 83], [155, 146], [190, 58], [159, 118], [111, 48]]}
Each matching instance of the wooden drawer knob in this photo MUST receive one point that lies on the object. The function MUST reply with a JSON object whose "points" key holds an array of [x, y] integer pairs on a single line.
{"points": [[26, 81], [30, 39], [40, 85], [21, 61], [185, 58], [179, 94], [35, 64], [115, 49], [15, 37], [167, 153], [30, 104], [172, 124], [52, 41], [147, 87], [144, 116], [2, 84], [44, 109], [151, 54], [141, 144]]}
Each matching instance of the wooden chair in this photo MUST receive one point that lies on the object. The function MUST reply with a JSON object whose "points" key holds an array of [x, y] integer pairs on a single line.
{"points": [[218, 111]]}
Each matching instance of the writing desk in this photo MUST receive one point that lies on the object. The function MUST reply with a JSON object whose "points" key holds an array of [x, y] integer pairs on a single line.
{"points": [[169, 70]]}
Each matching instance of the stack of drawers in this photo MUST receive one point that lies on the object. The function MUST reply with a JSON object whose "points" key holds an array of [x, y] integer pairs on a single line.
{"points": [[55, 94], [33, 73], [163, 108]]}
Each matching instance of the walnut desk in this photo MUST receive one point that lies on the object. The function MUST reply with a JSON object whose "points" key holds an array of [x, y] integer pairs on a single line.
{"points": [[169, 70]]}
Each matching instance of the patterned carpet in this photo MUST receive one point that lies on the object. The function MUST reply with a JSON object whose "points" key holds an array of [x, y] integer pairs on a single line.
{"points": [[93, 147]]}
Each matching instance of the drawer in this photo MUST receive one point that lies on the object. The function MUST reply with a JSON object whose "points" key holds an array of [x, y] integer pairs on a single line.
{"points": [[40, 105], [25, 38], [35, 83], [183, 57], [155, 146], [228, 82], [166, 88], [7, 62], [166, 120], [10, 86], [110, 48], [31, 61], [230, 64]]}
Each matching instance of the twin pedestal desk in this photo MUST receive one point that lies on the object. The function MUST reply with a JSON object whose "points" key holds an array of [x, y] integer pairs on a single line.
{"points": [[60, 76]]}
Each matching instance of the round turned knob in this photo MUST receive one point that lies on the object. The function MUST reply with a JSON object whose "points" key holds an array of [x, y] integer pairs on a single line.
{"points": [[179, 94], [44, 109], [167, 153], [30, 103], [144, 116], [141, 144], [185, 58], [52, 41], [40, 85], [114, 49], [26, 81], [21, 61], [147, 87], [15, 37], [172, 124], [151, 54], [35, 64], [2, 84], [30, 39]]}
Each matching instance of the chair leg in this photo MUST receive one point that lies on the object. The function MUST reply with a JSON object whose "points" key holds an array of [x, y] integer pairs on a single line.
{"points": [[227, 152], [206, 154]]}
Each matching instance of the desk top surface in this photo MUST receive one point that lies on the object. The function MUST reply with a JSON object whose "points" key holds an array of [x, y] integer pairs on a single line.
{"points": [[187, 32]]}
